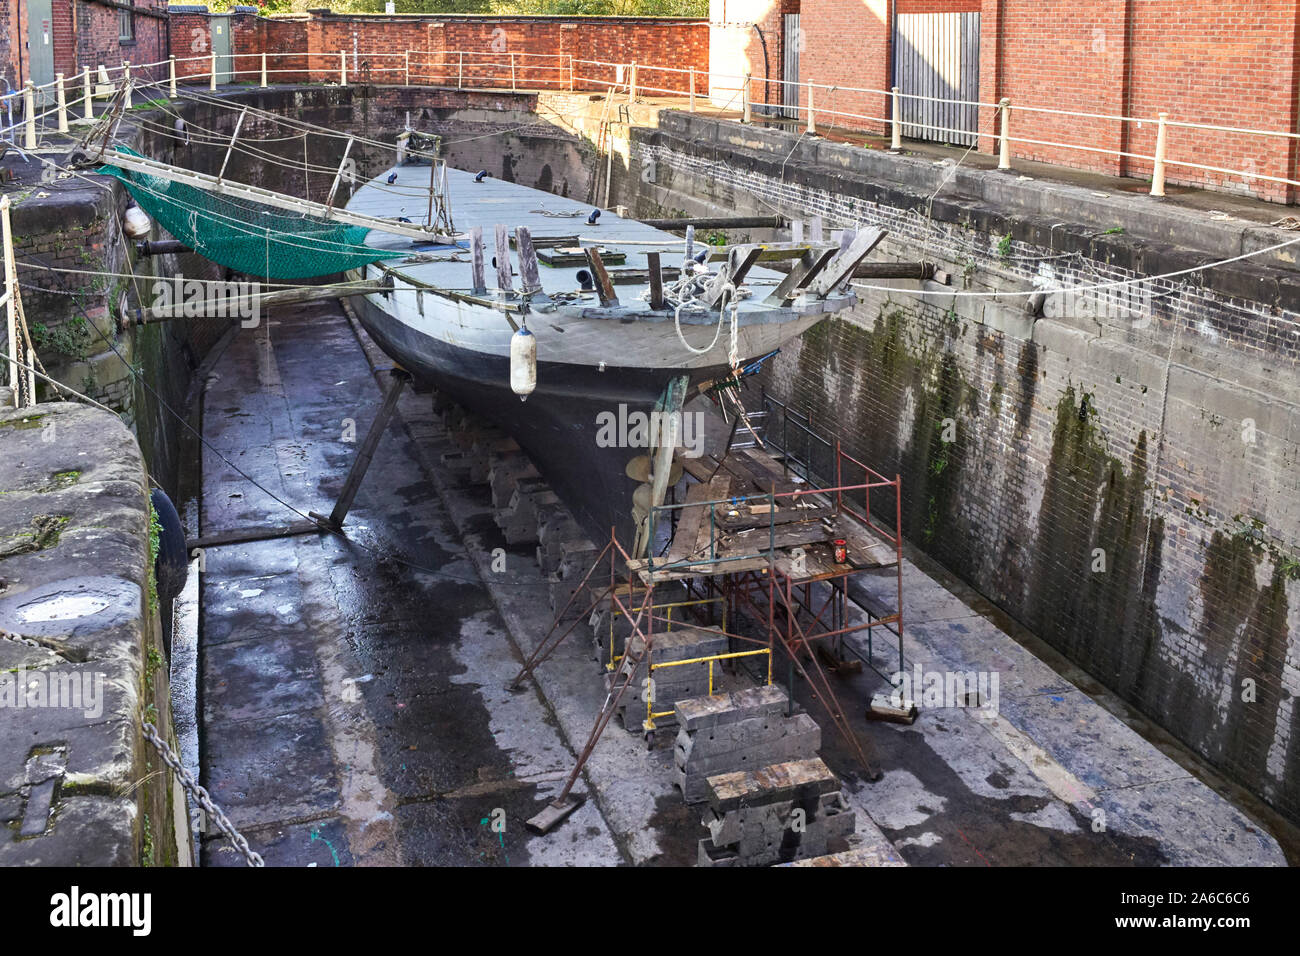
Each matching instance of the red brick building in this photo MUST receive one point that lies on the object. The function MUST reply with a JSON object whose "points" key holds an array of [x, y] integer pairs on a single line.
{"points": [[39, 38], [1226, 64]]}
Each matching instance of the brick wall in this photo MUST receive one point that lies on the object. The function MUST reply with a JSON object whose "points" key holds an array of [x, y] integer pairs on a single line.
{"points": [[1227, 64], [307, 49], [88, 34], [13, 28]]}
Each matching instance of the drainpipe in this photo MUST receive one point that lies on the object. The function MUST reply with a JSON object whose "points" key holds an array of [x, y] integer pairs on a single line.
{"points": [[767, 73]]}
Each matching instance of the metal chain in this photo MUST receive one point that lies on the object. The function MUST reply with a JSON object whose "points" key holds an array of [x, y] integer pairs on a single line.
{"points": [[201, 795]]}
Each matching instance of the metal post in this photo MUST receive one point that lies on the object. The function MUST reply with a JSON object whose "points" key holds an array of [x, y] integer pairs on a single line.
{"points": [[512, 72], [1004, 159], [29, 111], [89, 104], [571, 79], [631, 83], [812, 117], [264, 84], [460, 71], [1158, 174], [343, 68], [61, 99], [126, 79], [896, 141], [11, 288], [692, 82], [171, 78], [212, 72], [745, 98], [407, 73]]}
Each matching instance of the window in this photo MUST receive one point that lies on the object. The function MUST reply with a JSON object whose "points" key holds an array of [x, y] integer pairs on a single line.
{"points": [[126, 23]]}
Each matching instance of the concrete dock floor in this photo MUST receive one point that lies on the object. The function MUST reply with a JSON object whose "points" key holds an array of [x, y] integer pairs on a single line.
{"points": [[352, 701]]}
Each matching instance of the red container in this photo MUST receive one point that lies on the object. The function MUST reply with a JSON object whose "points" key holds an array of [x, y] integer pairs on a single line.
{"points": [[841, 551]]}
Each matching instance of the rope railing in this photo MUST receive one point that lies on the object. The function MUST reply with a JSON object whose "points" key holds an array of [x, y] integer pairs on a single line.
{"points": [[799, 103]]}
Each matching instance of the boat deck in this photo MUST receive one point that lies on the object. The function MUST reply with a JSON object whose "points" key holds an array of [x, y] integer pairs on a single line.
{"points": [[558, 226]]}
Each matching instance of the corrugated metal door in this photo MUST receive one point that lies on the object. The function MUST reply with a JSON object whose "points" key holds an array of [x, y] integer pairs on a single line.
{"points": [[937, 55], [791, 40]]}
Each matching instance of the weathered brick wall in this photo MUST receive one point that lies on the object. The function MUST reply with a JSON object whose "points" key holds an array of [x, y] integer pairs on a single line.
{"points": [[87, 33], [541, 48], [1219, 64], [1222, 64], [1213, 63], [191, 43], [1121, 475], [13, 29]]}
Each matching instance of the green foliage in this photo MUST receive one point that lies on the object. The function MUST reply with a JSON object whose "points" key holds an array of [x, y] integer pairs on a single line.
{"points": [[155, 531], [1004, 246], [71, 338]]}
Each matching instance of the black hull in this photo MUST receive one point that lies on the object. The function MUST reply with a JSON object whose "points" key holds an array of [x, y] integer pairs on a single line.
{"points": [[557, 426]]}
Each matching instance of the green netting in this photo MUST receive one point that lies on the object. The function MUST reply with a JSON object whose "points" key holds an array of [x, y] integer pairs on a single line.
{"points": [[247, 236]]}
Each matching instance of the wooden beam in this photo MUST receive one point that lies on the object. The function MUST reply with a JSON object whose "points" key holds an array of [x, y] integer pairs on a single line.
{"points": [[478, 274], [797, 278], [604, 288], [529, 272], [656, 281], [841, 267], [718, 222], [504, 283]]}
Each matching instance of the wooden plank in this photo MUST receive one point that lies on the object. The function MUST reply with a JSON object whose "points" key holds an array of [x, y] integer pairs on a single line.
{"points": [[841, 267], [784, 515], [797, 278], [529, 273], [656, 281], [688, 524], [758, 539], [719, 488], [218, 538], [604, 288], [765, 461], [701, 469], [478, 275], [504, 283]]}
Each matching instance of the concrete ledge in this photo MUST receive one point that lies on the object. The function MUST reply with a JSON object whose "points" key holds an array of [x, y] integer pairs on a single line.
{"points": [[82, 664]]}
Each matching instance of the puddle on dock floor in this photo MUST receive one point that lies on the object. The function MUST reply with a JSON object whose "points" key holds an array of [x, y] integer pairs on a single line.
{"points": [[351, 704]]}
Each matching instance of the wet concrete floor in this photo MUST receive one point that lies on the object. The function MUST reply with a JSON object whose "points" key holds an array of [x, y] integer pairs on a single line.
{"points": [[343, 683]]}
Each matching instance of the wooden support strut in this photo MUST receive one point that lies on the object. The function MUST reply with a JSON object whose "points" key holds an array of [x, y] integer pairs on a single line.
{"points": [[840, 269], [230, 147], [604, 288], [364, 454], [334, 523], [656, 281], [338, 176]]}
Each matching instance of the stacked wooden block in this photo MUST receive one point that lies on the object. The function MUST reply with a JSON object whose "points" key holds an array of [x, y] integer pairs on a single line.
{"points": [[742, 730], [775, 814]]}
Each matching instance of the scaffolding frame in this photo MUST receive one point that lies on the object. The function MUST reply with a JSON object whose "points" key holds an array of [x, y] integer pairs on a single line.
{"points": [[780, 596]]}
